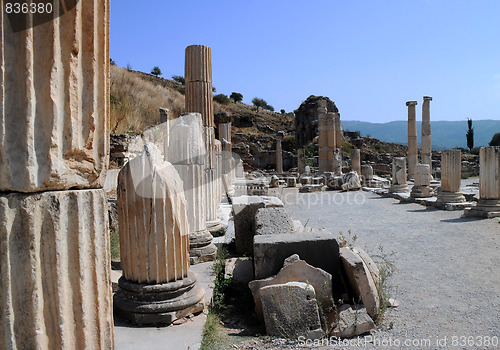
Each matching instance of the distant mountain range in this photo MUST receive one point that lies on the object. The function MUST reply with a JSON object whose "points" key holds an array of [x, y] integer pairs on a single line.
{"points": [[445, 134]]}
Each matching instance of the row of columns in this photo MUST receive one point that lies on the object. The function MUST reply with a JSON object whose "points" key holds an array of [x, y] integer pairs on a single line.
{"points": [[412, 135]]}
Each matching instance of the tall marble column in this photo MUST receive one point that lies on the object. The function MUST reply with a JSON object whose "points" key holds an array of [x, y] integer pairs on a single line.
{"points": [[198, 76], [187, 153], [323, 137], [279, 152], [399, 183], [55, 290], [157, 286], [451, 177], [421, 182], [301, 160], [412, 138], [488, 205], [426, 132], [356, 160]]}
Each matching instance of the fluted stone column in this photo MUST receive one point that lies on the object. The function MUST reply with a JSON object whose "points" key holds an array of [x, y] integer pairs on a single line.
{"points": [[426, 132], [187, 152], [338, 131], [330, 125], [227, 157], [218, 171], [421, 182], [198, 76], [488, 205], [412, 138], [323, 137], [356, 160], [156, 286], [55, 290], [451, 177], [301, 160], [399, 184]]}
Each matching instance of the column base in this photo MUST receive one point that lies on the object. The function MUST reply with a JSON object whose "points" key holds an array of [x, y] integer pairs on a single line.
{"points": [[398, 188], [421, 192], [162, 303], [201, 248], [485, 208], [450, 197], [214, 225]]}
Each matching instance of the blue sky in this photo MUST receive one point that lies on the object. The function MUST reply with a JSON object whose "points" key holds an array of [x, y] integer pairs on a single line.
{"points": [[370, 57]]}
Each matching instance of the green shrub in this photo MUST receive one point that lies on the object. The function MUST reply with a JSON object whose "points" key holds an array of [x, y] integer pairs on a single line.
{"points": [[179, 79], [222, 99]]}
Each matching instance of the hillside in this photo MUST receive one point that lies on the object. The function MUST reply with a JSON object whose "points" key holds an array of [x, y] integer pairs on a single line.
{"points": [[445, 134]]}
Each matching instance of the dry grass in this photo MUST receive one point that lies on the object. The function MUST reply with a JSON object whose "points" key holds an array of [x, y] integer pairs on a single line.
{"points": [[135, 102]]}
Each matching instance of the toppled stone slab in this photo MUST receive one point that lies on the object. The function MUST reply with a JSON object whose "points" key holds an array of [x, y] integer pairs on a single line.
{"points": [[319, 249], [239, 269], [370, 264], [290, 311], [245, 208], [351, 181], [296, 270], [360, 280], [352, 320], [271, 221]]}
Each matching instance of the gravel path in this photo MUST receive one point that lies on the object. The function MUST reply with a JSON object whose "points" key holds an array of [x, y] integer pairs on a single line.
{"points": [[447, 277]]}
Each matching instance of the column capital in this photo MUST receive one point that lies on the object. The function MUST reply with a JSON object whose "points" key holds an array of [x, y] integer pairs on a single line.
{"points": [[411, 103], [427, 98]]}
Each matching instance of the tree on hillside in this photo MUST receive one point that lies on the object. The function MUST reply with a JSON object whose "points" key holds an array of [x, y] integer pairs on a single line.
{"points": [[156, 71], [236, 97], [470, 135], [222, 99], [112, 62], [495, 140], [259, 102], [179, 78]]}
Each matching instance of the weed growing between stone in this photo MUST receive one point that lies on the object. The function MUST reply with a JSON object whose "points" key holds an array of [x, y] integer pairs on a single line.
{"points": [[114, 241], [386, 268], [219, 233]]}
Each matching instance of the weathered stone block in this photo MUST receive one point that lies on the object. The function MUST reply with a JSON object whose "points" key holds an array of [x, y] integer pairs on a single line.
{"points": [[55, 285], [290, 311], [360, 280], [245, 208], [352, 320], [319, 249], [272, 221], [240, 270], [297, 271]]}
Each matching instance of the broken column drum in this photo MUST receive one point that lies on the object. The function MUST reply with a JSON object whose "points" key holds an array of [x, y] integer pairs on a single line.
{"points": [[426, 132], [451, 177], [55, 290], [187, 153], [422, 180], [156, 286], [356, 161], [488, 205], [412, 138], [399, 183], [198, 76]]}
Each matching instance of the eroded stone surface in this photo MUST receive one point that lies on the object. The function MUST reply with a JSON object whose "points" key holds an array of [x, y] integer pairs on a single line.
{"points": [[290, 311], [298, 271], [352, 320], [54, 257], [271, 221]]}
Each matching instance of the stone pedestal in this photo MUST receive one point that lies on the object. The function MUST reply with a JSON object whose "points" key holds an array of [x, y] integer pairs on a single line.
{"points": [[422, 180], [55, 290], [367, 172], [187, 154], [156, 286], [301, 160], [451, 177], [356, 161], [399, 184], [488, 205], [426, 132], [412, 138]]}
